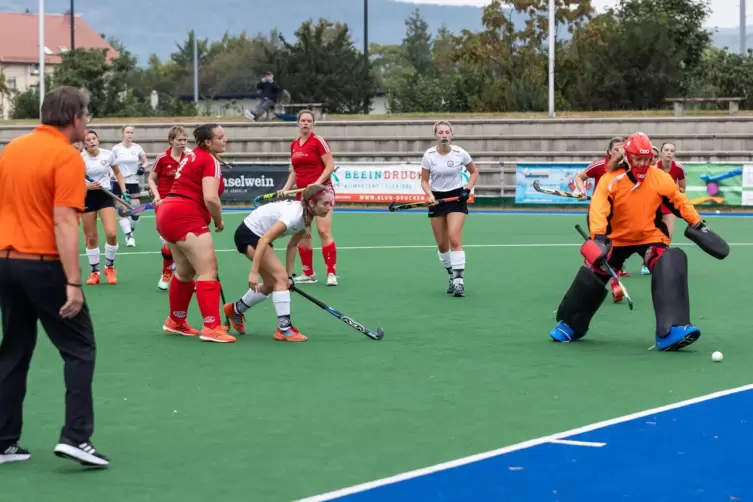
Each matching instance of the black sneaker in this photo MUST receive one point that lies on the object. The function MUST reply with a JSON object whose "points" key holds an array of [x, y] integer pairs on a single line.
{"points": [[14, 453], [83, 453]]}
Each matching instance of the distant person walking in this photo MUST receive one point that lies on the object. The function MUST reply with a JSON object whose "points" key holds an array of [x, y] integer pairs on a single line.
{"points": [[270, 93], [42, 192]]}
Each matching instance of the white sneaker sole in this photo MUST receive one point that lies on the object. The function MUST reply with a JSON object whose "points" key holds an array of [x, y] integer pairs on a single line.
{"points": [[77, 455], [9, 459]]}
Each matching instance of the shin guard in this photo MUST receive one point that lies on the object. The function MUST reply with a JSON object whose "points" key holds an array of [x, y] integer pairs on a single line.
{"points": [[582, 300], [669, 291]]}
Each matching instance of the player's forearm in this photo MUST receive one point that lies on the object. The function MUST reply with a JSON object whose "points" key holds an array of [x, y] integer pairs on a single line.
{"points": [[580, 184], [472, 180], [426, 188], [121, 181], [67, 242], [325, 174], [214, 206], [290, 182]]}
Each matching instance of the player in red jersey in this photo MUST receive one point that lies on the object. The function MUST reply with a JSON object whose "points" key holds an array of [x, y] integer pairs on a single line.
{"points": [[160, 180], [183, 221], [312, 164], [677, 171]]}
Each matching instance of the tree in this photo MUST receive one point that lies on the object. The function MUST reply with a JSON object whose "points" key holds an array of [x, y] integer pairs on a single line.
{"points": [[323, 66], [417, 44]]}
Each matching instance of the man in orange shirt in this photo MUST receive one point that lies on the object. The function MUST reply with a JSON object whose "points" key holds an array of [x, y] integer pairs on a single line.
{"points": [[42, 192], [625, 218]]}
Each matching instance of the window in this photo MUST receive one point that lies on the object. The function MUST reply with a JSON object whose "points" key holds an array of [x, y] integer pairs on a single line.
{"points": [[10, 82]]}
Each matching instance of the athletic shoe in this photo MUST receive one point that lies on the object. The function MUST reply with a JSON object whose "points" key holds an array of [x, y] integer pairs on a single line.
{"points": [[238, 321], [112, 275], [458, 288], [617, 294], [14, 453], [83, 453], [677, 338], [331, 280], [305, 279], [164, 281], [291, 335], [93, 279], [563, 333], [179, 328], [217, 335]]}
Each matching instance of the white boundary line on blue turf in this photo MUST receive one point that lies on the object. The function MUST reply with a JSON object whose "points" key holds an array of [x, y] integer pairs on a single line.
{"points": [[426, 246], [520, 446], [570, 442]]}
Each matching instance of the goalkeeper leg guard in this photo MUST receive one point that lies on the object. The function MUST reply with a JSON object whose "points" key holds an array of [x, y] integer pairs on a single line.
{"points": [[669, 291], [582, 300]]}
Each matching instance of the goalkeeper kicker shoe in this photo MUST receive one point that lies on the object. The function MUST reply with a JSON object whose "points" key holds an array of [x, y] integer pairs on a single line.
{"points": [[678, 338], [563, 333]]}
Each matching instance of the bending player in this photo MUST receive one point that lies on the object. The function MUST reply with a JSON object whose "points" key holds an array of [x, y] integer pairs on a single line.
{"points": [[441, 178], [160, 181], [183, 221], [254, 238], [623, 222]]}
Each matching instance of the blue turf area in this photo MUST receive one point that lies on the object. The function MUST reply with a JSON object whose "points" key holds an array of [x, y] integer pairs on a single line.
{"points": [[698, 450]]}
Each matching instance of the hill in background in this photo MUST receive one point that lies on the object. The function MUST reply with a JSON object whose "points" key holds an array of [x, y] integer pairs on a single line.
{"points": [[147, 27]]}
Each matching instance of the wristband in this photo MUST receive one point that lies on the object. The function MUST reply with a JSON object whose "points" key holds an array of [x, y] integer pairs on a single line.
{"points": [[73, 284]]}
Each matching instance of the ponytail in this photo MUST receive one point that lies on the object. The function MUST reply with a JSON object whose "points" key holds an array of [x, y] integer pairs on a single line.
{"points": [[311, 193]]}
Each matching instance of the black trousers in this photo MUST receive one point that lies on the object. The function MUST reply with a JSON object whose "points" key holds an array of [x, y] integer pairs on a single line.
{"points": [[31, 291]]}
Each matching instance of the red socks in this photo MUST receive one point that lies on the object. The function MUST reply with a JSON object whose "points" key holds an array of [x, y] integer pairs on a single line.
{"points": [[180, 294], [307, 260], [330, 257], [208, 296], [167, 259]]}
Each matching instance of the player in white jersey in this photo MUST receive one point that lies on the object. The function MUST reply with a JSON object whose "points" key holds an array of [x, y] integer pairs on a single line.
{"points": [[442, 178], [254, 238], [100, 163], [132, 161]]}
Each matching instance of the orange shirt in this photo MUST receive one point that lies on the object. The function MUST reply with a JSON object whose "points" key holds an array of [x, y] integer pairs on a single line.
{"points": [[628, 212], [38, 171]]}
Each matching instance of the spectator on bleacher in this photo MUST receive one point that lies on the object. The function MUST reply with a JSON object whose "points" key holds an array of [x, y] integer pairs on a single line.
{"points": [[270, 93]]}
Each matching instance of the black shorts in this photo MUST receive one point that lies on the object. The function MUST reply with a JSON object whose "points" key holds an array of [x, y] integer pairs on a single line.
{"points": [[618, 255], [449, 207], [244, 238], [131, 189], [97, 200]]}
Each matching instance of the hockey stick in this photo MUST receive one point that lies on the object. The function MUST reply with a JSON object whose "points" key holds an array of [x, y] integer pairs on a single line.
{"points": [[261, 198], [222, 296], [611, 270], [123, 213], [378, 335], [394, 206], [551, 191]]}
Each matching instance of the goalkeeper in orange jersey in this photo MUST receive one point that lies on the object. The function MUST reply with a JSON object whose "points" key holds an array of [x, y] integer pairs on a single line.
{"points": [[625, 218]]}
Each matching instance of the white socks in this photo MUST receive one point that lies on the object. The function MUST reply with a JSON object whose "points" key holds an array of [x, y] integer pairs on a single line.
{"points": [[281, 301], [457, 262], [248, 300], [93, 256]]}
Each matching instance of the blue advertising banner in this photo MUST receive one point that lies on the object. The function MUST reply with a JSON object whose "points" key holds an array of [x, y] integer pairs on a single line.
{"points": [[553, 176]]}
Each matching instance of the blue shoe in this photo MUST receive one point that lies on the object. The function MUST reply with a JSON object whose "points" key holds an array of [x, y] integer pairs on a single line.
{"points": [[563, 333], [678, 338], [645, 270]]}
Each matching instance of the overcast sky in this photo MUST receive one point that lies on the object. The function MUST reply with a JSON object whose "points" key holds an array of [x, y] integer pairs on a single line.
{"points": [[726, 13]]}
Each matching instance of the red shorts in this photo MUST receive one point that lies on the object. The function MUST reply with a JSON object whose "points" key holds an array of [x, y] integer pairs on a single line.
{"points": [[328, 186], [178, 217]]}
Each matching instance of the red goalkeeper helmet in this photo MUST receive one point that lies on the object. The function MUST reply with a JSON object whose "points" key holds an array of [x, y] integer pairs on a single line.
{"points": [[639, 154]]}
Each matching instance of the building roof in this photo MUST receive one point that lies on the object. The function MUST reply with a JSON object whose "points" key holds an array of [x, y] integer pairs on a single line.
{"points": [[19, 37]]}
